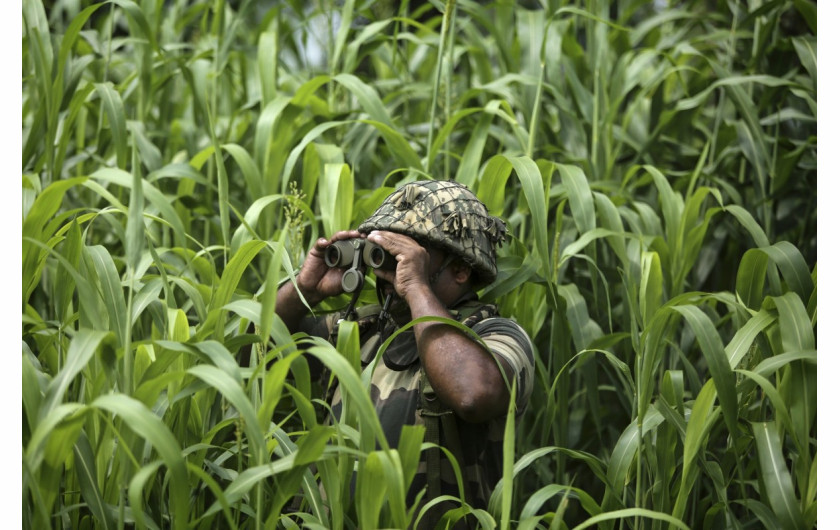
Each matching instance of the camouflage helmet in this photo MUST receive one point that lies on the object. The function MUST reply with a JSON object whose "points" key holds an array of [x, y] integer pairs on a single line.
{"points": [[445, 214]]}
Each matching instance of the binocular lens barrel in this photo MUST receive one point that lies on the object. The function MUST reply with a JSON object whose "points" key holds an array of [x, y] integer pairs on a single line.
{"points": [[376, 258], [352, 253], [340, 253]]}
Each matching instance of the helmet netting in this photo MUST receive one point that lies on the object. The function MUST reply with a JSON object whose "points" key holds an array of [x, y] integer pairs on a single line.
{"points": [[445, 214]]}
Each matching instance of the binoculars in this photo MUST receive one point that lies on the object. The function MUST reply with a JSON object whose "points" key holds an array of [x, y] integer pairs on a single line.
{"points": [[354, 253]]}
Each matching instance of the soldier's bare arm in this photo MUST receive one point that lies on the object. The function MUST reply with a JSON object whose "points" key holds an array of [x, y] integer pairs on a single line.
{"points": [[315, 280], [463, 374]]}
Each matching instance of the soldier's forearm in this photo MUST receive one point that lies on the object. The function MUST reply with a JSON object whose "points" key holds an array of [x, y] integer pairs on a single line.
{"points": [[290, 308]]}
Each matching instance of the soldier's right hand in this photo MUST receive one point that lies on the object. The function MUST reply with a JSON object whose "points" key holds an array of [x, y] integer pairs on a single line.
{"points": [[316, 280]]}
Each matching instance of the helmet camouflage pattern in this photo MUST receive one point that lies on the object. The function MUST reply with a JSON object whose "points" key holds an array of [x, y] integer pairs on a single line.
{"points": [[447, 215]]}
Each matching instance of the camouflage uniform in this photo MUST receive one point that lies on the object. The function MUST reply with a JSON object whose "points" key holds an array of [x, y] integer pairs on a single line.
{"points": [[397, 384], [448, 216]]}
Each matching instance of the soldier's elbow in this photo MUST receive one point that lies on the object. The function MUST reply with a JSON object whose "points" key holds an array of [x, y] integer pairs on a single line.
{"points": [[479, 408]]}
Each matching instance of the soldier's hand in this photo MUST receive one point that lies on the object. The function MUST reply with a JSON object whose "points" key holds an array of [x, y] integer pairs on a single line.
{"points": [[412, 261], [316, 280]]}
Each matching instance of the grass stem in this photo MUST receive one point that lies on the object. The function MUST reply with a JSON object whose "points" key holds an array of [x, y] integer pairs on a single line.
{"points": [[444, 32]]}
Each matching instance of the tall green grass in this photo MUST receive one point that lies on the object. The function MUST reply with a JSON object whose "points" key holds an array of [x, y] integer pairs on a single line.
{"points": [[657, 169]]}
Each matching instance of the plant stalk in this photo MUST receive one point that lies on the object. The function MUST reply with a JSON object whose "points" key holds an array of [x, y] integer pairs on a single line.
{"points": [[444, 33]]}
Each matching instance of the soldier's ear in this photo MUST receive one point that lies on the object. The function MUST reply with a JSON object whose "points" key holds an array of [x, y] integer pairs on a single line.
{"points": [[461, 271]]}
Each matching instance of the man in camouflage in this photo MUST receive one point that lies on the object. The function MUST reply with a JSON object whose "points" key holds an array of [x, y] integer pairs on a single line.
{"points": [[444, 243]]}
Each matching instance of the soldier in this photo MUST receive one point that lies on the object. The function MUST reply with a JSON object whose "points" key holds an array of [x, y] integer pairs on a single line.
{"points": [[443, 242]]}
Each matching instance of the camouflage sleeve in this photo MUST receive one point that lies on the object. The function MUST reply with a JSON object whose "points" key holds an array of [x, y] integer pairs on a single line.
{"points": [[511, 345]]}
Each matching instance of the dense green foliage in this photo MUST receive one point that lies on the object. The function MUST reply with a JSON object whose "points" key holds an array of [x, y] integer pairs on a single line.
{"points": [[656, 164]]}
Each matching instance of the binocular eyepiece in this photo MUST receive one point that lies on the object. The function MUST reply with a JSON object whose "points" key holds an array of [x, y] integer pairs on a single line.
{"points": [[353, 253]]}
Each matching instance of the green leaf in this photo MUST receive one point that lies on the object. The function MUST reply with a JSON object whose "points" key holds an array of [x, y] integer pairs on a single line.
{"points": [[114, 109], [252, 216], [45, 206], [148, 152], [625, 451], [585, 240], [217, 354], [252, 311], [702, 418], [779, 405], [134, 230], [776, 478], [245, 481], [311, 445], [233, 392], [577, 314], [749, 223], [794, 323], [233, 273], [135, 492], [347, 342], [267, 66], [672, 204], [147, 425], [411, 441], [250, 171], [264, 132], [713, 351], [82, 348], [373, 30], [650, 288], [397, 144], [274, 382], [508, 453], [468, 171], [776, 362], [147, 294], [335, 197], [749, 283], [111, 291], [743, 339], [315, 158], [808, 10], [732, 81], [631, 512], [32, 392], [366, 96], [609, 216], [85, 465], [71, 250], [315, 132], [372, 490], [137, 16], [347, 15], [34, 453], [491, 185], [580, 197], [352, 391], [541, 496], [269, 294], [806, 50], [154, 196]]}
